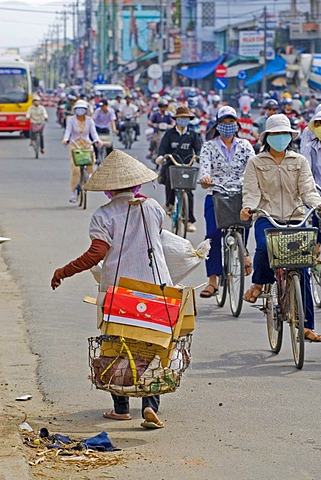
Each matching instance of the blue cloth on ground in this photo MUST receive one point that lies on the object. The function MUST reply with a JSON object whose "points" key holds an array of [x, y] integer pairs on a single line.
{"points": [[100, 443]]}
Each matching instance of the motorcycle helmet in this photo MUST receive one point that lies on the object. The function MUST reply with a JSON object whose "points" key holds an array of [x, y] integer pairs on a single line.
{"points": [[163, 103], [192, 102], [81, 104], [216, 98]]}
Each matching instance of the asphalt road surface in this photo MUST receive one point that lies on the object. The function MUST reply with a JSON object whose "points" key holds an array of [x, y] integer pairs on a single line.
{"points": [[241, 412]]}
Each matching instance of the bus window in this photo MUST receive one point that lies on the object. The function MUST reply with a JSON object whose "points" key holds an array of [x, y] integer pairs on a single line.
{"points": [[13, 85]]}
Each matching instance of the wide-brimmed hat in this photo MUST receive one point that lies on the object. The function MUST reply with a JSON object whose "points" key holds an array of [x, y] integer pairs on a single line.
{"points": [[119, 171], [35, 97], [278, 123], [316, 116], [184, 112]]}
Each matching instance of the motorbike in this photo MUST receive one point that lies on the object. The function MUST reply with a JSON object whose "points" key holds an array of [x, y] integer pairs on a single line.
{"points": [[128, 125], [106, 148], [159, 130]]}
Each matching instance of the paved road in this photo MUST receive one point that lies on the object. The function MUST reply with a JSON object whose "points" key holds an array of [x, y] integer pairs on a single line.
{"points": [[240, 413]]}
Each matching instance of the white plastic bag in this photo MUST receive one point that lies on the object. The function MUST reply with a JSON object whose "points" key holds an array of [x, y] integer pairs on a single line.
{"points": [[180, 255]]}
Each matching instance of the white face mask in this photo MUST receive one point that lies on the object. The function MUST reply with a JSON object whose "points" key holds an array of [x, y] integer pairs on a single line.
{"points": [[80, 111]]}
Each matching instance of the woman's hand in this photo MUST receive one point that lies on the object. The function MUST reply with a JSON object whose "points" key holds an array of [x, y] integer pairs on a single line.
{"points": [[245, 214], [206, 182], [64, 141]]}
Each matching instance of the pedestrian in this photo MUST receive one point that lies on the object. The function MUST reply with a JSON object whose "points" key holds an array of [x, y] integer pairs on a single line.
{"points": [[223, 160], [179, 140], [280, 181], [120, 176], [80, 132]]}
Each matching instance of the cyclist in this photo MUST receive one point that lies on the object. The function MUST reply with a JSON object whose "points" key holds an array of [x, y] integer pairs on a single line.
{"points": [[80, 129], [38, 115], [129, 112], [104, 118], [182, 141], [278, 180], [223, 160], [158, 117]]}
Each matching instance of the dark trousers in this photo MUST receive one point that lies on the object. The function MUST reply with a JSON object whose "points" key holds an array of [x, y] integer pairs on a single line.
{"points": [[214, 260], [170, 197], [121, 403], [33, 137], [264, 274]]}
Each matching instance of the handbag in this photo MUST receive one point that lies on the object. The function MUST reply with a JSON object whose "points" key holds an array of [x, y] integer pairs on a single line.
{"points": [[227, 208]]}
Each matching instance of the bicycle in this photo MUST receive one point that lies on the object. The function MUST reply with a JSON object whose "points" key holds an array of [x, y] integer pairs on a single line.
{"points": [[82, 157], [290, 248], [36, 133], [227, 207], [107, 147], [316, 278], [183, 177]]}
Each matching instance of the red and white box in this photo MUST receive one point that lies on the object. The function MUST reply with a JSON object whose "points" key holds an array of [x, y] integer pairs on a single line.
{"points": [[138, 309]]}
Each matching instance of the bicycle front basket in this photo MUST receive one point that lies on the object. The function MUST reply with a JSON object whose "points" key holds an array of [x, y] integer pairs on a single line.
{"points": [[183, 177], [291, 247], [227, 208], [82, 156]]}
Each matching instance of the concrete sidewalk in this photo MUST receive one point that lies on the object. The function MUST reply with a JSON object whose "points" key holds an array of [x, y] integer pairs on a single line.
{"points": [[17, 377]]}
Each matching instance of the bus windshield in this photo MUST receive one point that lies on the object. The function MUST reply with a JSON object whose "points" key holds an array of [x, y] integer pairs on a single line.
{"points": [[13, 85]]}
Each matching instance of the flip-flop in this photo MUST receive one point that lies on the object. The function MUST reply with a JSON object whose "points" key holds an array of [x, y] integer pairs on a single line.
{"points": [[151, 419], [248, 267], [112, 415], [206, 293], [253, 292], [311, 335]]}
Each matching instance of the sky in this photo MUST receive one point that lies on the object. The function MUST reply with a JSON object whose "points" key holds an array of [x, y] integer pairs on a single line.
{"points": [[27, 28]]}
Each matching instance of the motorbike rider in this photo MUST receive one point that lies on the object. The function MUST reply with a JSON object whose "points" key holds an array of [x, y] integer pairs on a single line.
{"points": [[104, 118], [129, 112], [182, 141], [161, 116], [37, 114], [271, 107], [288, 109], [212, 112], [245, 103]]}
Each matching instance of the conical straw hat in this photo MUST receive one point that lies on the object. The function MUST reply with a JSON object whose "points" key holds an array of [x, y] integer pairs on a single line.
{"points": [[118, 171]]}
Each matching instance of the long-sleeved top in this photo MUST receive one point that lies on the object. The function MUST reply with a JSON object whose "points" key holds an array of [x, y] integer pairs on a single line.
{"points": [[184, 145], [103, 119], [107, 224], [313, 155], [37, 114], [72, 132], [281, 189], [222, 168]]}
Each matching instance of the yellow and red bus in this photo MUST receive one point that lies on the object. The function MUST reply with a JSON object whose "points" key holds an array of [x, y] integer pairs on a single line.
{"points": [[15, 95]]}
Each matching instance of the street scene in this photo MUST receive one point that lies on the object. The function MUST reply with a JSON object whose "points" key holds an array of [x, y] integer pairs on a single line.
{"points": [[160, 280]]}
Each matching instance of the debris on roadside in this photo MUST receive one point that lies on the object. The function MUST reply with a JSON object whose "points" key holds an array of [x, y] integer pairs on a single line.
{"points": [[23, 398], [85, 453]]}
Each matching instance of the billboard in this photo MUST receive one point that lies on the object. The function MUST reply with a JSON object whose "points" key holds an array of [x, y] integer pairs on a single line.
{"points": [[251, 43], [140, 32]]}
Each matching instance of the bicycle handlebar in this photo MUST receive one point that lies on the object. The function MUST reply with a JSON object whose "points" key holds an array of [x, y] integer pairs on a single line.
{"points": [[278, 225], [177, 164], [218, 185]]}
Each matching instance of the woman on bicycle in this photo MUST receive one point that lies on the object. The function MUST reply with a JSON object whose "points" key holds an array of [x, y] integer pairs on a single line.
{"points": [[80, 132], [280, 181], [120, 176], [223, 160]]}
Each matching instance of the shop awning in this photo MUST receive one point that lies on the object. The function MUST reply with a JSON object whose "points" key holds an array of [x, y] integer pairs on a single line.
{"points": [[276, 67], [233, 70], [200, 71]]}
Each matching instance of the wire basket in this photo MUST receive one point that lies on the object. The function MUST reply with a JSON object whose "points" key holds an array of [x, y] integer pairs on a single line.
{"points": [[137, 369], [291, 247], [82, 156], [183, 177]]}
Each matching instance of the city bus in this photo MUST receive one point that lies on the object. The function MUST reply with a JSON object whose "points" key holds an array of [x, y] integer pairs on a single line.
{"points": [[15, 95]]}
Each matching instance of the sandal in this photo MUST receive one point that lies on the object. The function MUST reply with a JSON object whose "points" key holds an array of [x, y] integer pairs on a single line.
{"points": [[253, 293], [112, 415], [151, 419], [311, 335], [248, 267], [207, 293]]}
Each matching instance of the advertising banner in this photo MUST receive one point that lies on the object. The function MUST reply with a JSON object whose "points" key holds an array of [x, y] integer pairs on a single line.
{"points": [[251, 43]]}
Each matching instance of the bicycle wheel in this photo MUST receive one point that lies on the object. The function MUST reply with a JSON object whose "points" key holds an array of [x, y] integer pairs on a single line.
{"points": [[222, 284], [316, 288], [36, 144], [296, 320], [236, 273], [273, 315], [182, 215]]}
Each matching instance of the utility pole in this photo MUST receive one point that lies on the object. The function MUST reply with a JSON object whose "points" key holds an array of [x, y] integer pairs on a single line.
{"points": [[102, 38], [46, 64], [88, 53], [161, 38], [264, 52]]}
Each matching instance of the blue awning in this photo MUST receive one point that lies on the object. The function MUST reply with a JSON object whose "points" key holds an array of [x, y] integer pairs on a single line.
{"points": [[275, 67], [201, 71]]}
